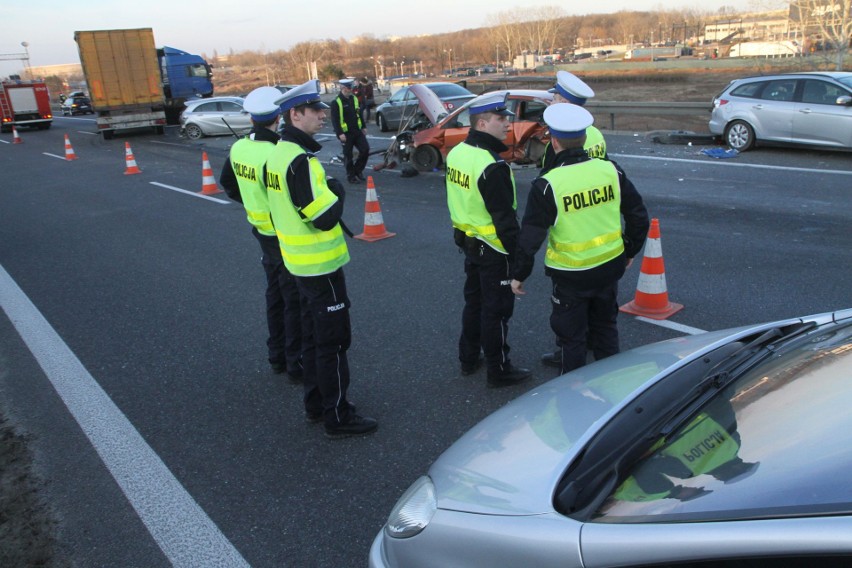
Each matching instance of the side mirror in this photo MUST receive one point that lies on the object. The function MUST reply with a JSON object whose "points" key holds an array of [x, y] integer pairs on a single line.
{"points": [[845, 100]]}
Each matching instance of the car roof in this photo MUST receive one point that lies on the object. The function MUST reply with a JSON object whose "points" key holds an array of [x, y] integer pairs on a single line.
{"points": [[196, 102]]}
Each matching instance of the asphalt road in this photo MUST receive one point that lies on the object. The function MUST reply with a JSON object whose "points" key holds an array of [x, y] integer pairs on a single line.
{"points": [[158, 296]]}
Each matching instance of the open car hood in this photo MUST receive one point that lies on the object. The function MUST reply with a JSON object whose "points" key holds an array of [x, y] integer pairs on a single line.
{"points": [[429, 103]]}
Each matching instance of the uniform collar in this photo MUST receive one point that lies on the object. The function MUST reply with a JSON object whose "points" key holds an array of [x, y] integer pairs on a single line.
{"points": [[486, 141], [570, 156], [293, 134], [263, 134]]}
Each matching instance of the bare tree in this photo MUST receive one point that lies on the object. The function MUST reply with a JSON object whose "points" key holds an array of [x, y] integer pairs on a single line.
{"points": [[828, 22]]}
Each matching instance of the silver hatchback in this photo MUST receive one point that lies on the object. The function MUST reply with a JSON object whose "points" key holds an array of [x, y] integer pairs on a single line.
{"points": [[812, 109], [214, 116]]}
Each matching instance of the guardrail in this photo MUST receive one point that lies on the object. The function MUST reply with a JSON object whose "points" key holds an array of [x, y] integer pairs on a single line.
{"points": [[646, 108]]}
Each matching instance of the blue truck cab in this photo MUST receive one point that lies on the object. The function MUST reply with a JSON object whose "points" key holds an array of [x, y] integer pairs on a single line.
{"points": [[185, 76]]}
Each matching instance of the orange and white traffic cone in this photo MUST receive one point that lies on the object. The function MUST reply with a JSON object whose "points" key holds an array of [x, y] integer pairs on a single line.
{"points": [[132, 168], [374, 224], [69, 151], [652, 298], [15, 138], [208, 182]]}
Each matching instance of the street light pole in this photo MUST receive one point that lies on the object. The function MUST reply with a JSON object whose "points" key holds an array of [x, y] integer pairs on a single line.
{"points": [[27, 60]]}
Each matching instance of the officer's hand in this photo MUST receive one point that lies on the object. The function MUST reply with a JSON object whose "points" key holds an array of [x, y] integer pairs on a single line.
{"points": [[629, 262], [518, 288], [342, 137]]}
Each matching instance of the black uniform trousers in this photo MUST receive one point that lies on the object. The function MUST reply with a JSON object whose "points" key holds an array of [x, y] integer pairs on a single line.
{"points": [[355, 138], [283, 310], [584, 319], [326, 336], [488, 305]]}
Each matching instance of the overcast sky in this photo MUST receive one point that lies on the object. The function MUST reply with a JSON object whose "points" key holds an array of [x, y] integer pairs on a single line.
{"points": [[264, 25]]}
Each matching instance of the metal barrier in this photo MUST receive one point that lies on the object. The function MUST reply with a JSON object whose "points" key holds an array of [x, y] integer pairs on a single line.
{"points": [[646, 108]]}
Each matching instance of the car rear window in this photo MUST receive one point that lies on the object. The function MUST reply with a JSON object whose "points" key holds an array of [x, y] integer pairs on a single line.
{"points": [[749, 90], [450, 90]]}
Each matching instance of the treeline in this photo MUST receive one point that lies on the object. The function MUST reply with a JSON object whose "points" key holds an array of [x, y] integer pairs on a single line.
{"points": [[541, 30]]}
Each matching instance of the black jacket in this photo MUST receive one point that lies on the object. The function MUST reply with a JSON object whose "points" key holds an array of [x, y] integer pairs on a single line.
{"points": [[351, 116], [540, 215]]}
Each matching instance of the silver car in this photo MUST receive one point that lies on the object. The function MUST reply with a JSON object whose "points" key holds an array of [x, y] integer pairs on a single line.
{"points": [[214, 116], [813, 109], [402, 107], [729, 447]]}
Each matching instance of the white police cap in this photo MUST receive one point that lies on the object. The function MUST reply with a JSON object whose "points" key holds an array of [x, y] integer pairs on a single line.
{"points": [[346, 82], [572, 88], [262, 103], [567, 120], [306, 94], [491, 102]]}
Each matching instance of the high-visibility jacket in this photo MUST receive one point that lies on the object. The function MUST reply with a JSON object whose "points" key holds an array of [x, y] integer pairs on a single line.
{"points": [[595, 145], [465, 164], [587, 232], [343, 126], [247, 159], [702, 446], [306, 250]]}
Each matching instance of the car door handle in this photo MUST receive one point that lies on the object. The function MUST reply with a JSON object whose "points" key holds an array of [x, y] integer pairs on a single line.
{"points": [[757, 107], [805, 111]]}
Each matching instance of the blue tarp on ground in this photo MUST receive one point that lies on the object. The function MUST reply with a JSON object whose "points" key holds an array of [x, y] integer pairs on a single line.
{"points": [[720, 152]]}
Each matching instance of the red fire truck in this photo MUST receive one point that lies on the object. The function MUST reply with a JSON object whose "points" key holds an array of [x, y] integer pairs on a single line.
{"points": [[24, 103]]}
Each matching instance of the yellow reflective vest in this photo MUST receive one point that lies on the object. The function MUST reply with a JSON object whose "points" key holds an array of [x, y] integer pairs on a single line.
{"points": [[595, 145], [343, 126], [465, 164], [587, 231], [306, 250], [702, 446], [247, 159]]}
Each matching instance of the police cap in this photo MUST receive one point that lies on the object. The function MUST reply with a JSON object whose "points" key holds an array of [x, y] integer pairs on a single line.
{"points": [[306, 94], [567, 120], [262, 104], [572, 88], [346, 82], [491, 102]]}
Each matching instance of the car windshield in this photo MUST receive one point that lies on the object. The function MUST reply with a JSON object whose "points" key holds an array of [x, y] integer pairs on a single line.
{"points": [[767, 445], [846, 80], [450, 90]]}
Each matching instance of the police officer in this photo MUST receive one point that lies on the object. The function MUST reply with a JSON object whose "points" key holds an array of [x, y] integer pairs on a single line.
{"points": [[483, 204], [242, 178], [306, 209], [578, 205], [350, 130], [571, 89]]}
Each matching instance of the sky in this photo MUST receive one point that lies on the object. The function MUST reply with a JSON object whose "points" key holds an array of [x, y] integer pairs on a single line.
{"points": [[48, 26]]}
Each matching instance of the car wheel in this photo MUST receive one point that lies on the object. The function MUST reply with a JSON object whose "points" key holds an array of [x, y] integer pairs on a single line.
{"points": [[382, 123], [193, 132], [426, 158], [739, 135]]}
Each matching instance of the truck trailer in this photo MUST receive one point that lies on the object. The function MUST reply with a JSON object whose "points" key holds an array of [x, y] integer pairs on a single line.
{"points": [[786, 48], [24, 103], [132, 84]]}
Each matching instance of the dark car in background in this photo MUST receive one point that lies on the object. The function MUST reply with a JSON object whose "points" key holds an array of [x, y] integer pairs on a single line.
{"points": [[527, 137], [808, 109], [76, 105], [729, 449], [402, 107]]}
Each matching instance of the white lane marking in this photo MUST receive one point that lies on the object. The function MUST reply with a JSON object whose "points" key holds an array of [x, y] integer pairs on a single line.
{"points": [[53, 155], [5, 141], [184, 532], [672, 325], [87, 132], [734, 165], [192, 193]]}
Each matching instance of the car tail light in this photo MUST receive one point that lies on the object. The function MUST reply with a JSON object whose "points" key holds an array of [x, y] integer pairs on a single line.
{"points": [[719, 102]]}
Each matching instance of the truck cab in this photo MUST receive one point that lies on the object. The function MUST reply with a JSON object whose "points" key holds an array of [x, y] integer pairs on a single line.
{"points": [[185, 76]]}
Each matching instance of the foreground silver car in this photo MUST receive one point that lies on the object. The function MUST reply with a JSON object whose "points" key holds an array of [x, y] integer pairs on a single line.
{"points": [[214, 116], [732, 447], [813, 109]]}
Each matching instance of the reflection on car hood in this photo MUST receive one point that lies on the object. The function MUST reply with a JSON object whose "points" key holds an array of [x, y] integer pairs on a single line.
{"points": [[510, 463], [429, 102]]}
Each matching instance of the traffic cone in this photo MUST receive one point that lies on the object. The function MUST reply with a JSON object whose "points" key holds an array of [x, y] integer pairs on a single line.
{"points": [[131, 161], [374, 225], [15, 138], [208, 182], [652, 298], [69, 151]]}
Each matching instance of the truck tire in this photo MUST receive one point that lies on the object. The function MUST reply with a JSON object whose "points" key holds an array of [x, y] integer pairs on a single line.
{"points": [[108, 134], [159, 130]]}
